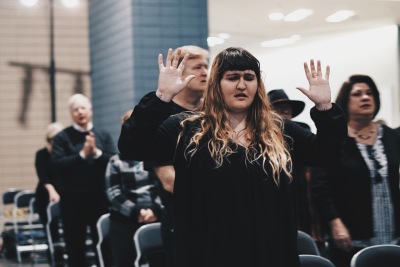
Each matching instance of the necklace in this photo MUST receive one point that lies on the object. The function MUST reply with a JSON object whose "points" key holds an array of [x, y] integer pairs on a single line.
{"points": [[365, 137]]}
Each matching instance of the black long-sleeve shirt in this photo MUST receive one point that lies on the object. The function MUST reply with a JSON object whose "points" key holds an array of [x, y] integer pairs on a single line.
{"points": [[234, 215], [74, 173]]}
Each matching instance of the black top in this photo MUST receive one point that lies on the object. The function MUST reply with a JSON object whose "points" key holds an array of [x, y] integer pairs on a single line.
{"points": [[42, 161], [42, 166], [74, 173], [345, 190], [234, 215]]}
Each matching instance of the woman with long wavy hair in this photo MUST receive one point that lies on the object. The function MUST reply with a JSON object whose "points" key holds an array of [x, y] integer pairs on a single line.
{"points": [[233, 194]]}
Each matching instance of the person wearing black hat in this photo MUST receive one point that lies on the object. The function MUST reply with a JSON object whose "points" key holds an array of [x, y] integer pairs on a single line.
{"points": [[289, 109], [283, 105]]}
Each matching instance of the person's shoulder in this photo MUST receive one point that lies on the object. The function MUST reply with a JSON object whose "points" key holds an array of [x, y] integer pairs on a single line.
{"points": [[397, 130], [181, 116], [65, 132], [304, 125], [43, 151], [390, 131]]}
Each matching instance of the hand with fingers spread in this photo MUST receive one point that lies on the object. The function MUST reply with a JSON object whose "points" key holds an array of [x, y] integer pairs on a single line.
{"points": [[319, 92], [170, 81]]}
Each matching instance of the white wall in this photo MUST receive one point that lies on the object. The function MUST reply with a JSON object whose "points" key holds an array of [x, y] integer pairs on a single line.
{"points": [[372, 52]]}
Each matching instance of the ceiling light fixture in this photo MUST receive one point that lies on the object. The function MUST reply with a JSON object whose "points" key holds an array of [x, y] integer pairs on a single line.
{"points": [[29, 2], [224, 35], [275, 16], [281, 42], [213, 41], [340, 16], [298, 14]]}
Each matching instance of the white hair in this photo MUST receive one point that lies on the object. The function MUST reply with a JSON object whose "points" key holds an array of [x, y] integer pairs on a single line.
{"points": [[52, 130], [76, 98]]}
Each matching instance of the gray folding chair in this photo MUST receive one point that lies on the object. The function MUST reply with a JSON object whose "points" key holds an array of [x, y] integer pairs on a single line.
{"points": [[54, 224], [103, 227], [24, 228], [147, 241], [314, 261], [7, 208], [377, 256], [306, 245]]}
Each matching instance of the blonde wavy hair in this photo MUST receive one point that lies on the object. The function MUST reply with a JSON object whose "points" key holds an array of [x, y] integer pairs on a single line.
{"points": [[264, 126]]}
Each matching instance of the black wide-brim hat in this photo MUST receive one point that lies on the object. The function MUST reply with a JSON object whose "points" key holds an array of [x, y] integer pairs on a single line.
{"points": [[277, 96]]}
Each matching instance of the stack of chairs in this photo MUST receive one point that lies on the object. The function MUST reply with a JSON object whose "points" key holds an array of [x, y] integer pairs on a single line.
{"points": [[29, 232], [7, 224]]}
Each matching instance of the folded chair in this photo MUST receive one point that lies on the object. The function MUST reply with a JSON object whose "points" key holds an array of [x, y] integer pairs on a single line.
{"points": [[103, 226], [315, 261], [306, 245], [377, 256], [54, 232], [148, 244], [25, 229]]}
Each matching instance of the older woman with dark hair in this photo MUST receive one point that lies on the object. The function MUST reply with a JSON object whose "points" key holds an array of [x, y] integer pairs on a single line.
{"points": [[360, 196]]}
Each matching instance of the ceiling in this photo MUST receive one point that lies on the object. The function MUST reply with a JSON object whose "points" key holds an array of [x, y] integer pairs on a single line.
{"points": [[248, 25]]}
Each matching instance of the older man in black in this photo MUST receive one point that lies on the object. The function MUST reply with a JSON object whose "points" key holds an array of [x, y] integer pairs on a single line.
{"points": [[79, 157]]}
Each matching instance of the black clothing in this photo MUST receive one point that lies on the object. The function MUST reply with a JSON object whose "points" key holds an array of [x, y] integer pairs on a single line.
{"points": [[42, 166], [234, 215], [129, 189], [82, 190], [345, 190], [167, 227], [74, 173]]}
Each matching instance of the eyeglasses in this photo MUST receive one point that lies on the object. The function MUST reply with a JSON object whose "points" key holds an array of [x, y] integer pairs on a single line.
{"points": [[377, 166]]}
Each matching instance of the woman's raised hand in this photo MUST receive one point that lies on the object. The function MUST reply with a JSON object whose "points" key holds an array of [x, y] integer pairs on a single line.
{"points": [[320, 91], [170, 80]]}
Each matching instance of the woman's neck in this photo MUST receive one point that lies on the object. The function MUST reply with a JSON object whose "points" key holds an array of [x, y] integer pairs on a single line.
{"points": [[360, 124], [364, 131], [237, 122]]}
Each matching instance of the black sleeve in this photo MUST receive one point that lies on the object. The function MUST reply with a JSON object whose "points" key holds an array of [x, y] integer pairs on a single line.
{"points": [[137, 133], [105, 143], [42, 166], [321, 148], [63, 159]]}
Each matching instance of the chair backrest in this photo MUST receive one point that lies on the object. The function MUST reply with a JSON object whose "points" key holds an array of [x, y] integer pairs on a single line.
{"points": [[377, 256], [103, 229], [306, 245], [315, 261], [9, 194], [7, 208], [21, 212], [28, 236], [147, 240], [23, 199]]}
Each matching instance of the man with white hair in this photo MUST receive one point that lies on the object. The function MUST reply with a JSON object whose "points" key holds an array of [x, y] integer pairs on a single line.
{"points": [[79, 157], [187, 99]]}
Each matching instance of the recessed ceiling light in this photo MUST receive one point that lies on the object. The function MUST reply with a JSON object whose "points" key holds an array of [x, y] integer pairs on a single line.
{"points": [[28, 2], [275, 16], [281, 42], [224, 35], [70, 3], [298, 15], [340, 16], [213, 41]]}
